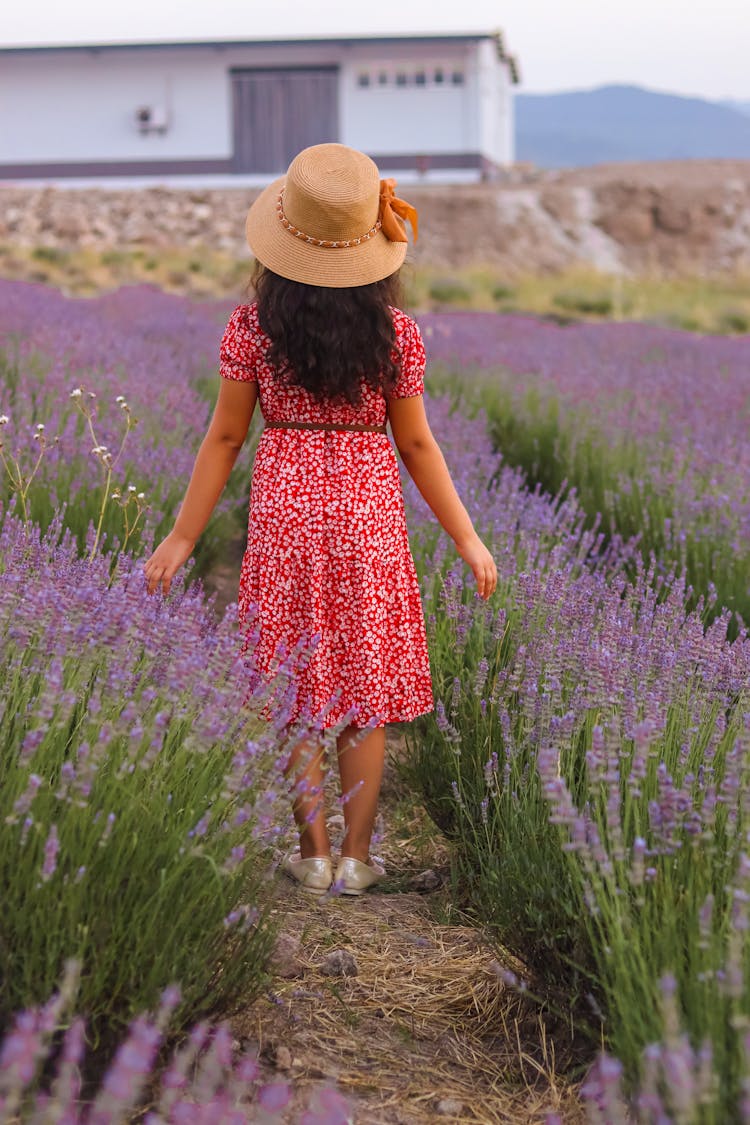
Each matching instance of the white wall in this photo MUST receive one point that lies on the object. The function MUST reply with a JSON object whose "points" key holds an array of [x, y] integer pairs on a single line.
{"points": [[70, 107], [495, 103], [60, 106], [407, 119]]}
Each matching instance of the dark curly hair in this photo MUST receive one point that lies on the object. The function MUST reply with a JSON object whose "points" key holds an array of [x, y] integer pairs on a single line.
{"points": [[328, 340]]}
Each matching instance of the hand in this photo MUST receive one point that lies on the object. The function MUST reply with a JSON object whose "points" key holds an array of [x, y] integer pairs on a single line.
{"points": [[166, 560], [474, 552]]}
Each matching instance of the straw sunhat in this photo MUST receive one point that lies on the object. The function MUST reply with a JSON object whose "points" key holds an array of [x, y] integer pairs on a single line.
{"points": [[330, 221]]}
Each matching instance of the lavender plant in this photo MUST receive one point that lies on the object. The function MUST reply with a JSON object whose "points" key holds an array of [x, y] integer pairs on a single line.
{"points": [[140, 792], [156, 354], [588, 757], [541, 548], [204, 1081], [619, 411], [683, 1078], [132, 504], [588, 751]]}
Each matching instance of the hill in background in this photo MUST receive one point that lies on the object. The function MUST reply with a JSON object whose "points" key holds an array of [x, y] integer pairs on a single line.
{"points": [[741, 107], [618, 122]]}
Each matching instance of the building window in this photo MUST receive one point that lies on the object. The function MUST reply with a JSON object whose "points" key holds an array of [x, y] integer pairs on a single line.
{"points": [[435, 75]]}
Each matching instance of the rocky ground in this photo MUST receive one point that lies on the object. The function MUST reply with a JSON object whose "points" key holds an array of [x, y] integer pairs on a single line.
{"points": [[674, 217]]}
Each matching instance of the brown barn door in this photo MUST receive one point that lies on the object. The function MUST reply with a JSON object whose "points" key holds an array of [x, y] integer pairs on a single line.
{"points": [[279, 112]]}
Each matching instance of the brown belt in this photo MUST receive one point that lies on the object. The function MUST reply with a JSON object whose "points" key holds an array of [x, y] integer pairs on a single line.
{"points": [[325, 426]]}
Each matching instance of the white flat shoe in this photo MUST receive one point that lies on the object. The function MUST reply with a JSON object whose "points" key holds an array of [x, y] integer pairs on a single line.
{"points": [[354, 876], [314, 874]]}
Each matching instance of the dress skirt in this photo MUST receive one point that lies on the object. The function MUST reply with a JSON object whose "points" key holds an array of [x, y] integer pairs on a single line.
{"points": [[328, 582]]}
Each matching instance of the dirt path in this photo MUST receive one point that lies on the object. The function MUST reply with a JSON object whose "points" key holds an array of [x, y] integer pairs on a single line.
{"points": [[396, 1003]]}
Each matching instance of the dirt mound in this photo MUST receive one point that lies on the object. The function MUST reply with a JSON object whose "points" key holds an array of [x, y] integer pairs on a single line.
{"points": [[680, 217], [666, 217]]}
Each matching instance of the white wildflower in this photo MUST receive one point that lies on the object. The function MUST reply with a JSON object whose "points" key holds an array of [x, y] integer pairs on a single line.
{"points": [[76, 393], [4, 419], [120, 398], [141, 495], [40, 426], [131, 488]]}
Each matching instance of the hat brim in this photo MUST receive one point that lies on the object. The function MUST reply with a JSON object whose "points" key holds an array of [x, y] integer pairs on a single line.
{"points": [[333, 267]]}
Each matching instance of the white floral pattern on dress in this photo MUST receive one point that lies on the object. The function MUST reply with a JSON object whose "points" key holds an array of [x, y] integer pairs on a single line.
{"points": [[328, 557]]}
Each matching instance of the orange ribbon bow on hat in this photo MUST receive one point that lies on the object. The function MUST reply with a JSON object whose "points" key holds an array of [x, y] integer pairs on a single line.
{"points": [[391, 207]]}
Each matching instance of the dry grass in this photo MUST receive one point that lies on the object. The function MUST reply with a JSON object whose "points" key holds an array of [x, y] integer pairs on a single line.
{"points": [[703, 304], [427, 1017]]}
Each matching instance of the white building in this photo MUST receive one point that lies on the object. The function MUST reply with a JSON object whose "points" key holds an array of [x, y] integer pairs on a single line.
{"points": [[435, 105]]}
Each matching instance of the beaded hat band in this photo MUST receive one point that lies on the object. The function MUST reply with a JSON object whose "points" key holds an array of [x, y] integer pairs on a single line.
{"points": [[322, 241]]}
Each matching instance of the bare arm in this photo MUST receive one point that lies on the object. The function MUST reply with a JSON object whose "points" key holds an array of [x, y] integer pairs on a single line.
{"points": [[426, 466], [213, 464]]}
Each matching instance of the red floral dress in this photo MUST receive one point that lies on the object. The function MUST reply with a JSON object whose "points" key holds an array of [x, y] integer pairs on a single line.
{"points": [[328, 565]]}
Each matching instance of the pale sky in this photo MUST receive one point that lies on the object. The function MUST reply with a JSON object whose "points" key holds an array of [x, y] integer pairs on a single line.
{"points": [[669, 45]]}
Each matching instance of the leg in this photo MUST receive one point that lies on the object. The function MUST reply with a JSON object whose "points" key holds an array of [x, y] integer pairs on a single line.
{"points": [[309, 803], [361, 767]]}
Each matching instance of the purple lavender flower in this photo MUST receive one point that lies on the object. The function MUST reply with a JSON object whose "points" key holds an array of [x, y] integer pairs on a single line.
{"points": [[51, 848]]}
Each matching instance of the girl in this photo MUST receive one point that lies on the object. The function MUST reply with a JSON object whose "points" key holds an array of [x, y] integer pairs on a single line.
{"points": [[331, 357]]}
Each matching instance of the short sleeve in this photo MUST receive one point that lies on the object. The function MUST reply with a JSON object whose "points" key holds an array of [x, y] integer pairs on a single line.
{"points": [[237, 352], [413, 360]]}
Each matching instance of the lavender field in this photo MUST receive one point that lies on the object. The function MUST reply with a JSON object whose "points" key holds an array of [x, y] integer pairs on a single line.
{"points": [[588, 756], [649, 425]]}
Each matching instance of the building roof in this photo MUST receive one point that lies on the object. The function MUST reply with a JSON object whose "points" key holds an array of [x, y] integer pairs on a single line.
{"points": [[226, 44]]}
